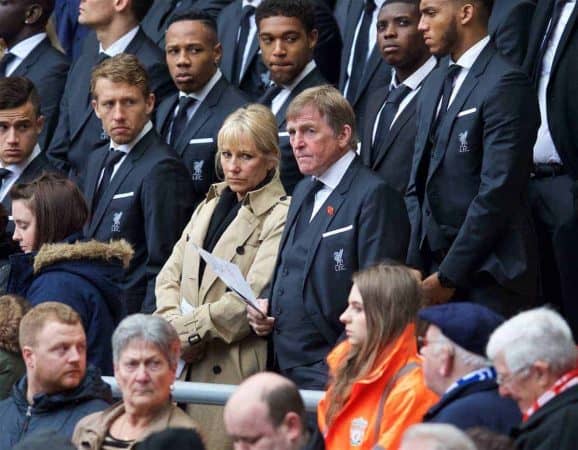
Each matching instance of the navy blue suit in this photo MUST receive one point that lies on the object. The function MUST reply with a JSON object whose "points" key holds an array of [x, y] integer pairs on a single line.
{"points": [[476, 405], [468, 201], [148, 202], [79, 131], [47, 68], [199, 157]]}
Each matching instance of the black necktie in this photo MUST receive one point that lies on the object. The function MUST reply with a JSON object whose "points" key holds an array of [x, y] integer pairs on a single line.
{"points": [[556, 14], [180, 122], [248, 12], [6, 59], [452, 73], [4, 174], [267, 98], [394, 99], [307, 207], [112, 158], [360, 51]]}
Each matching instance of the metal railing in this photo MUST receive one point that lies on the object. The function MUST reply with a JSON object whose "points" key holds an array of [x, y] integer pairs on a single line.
{"points": [[214, 394]]}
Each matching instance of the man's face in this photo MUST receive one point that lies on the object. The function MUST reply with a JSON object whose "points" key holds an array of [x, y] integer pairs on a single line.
{"points": [[123, 109], [144, 375], [286, 47], [521, 385], [439, 25], [193, 54], [254, 430], [57, 362], [400, 42], [19, 131], [12, 16], [315, 145], [95, 13], [432, 364]]}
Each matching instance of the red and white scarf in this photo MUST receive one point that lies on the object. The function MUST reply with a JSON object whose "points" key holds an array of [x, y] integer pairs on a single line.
{"points": [[566, 381]]}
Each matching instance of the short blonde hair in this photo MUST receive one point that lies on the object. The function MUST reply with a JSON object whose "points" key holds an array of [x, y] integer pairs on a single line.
{"points": [[34, 320], [255, 122], [122, 68], [331, 105]]}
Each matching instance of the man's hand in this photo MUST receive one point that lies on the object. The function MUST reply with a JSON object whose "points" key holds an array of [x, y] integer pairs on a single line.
{"points": [[434, 292], [261, 324]]}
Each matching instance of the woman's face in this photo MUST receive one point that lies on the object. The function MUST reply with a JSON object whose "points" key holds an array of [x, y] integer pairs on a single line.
{"points": [[144, 376], [354, 318], [24, 226], [244, 166]]}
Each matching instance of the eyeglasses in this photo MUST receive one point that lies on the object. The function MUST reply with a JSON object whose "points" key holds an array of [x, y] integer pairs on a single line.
{"points": [[502, 379]]}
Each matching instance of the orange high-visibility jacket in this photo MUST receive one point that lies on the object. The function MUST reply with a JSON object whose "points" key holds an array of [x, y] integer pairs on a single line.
{"points": [[383, 404]]}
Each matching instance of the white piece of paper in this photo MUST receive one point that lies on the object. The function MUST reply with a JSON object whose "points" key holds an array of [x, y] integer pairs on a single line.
{"points": [[230, 274]]}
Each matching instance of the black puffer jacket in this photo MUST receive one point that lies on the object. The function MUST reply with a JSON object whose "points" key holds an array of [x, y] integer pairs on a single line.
{"points": [[58, 412]]}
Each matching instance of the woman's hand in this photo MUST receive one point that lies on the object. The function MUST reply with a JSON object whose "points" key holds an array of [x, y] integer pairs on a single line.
{"points": [[261, 324]]}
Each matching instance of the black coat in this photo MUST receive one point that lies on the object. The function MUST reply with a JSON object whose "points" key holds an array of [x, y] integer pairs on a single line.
{"points": [[553, 426], [57, 412]]}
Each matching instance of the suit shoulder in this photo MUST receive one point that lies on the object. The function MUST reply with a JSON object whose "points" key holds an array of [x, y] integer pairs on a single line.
{"points": [[235, 96]]}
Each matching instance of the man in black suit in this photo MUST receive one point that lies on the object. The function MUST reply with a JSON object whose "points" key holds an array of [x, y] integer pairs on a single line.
{"points": [[477, 118], [241, 63], [388, 133], [342, 218], [509, 27], [30, 54], [162, 13], [21, 122], [363, 70], [189, 121], [287, 38], [551, 63], [116, 30], [137, 187]]}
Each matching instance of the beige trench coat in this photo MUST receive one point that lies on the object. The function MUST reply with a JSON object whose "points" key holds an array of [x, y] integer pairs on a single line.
{"points": [[218, 320]]}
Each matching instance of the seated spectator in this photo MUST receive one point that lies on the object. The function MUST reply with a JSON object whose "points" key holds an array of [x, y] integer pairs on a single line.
{"points": [[456, 369], [175, 438], [436, 437], [241, 221], [48, 440], [12, 309], [58, 389], [488, 440], [377, 387], [535, 358], [49, 214], [266, 412], [145, 351]]}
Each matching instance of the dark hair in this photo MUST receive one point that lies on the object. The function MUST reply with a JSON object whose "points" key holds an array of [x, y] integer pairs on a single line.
{"points": [[488, 440], [196, 15], [57, 204], [409, 2], [283, 399], [140, 8], [300, 9], [16, 92]]}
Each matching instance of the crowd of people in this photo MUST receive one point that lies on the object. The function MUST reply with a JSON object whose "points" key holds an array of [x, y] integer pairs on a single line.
{"points": [[396, 180]]}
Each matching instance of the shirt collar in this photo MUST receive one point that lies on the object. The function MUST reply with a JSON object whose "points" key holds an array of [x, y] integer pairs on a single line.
{"points": [[18, 168], [332, 176], [310, 67], [23, 48], [254, 3], [126, 148], [120, 45], [202, 94], [469, 57]]}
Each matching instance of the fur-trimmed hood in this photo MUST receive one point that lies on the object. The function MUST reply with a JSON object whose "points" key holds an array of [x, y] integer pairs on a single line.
{"points": [[50, 254]]}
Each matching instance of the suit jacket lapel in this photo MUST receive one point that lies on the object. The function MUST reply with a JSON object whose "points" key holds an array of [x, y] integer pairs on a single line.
{"points": [[568, 32], [94, 175], [370, 67], [353, 14], [229, 41], [32, 58], [250, 56], [299, 196], [374, 105], [164, 115]]}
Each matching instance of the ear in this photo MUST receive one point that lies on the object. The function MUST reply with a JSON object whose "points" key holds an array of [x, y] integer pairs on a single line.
{"points": [[28, 357], [33, 14], [467, 12], [218, 53], [293, 425], [150, 103], [39, 123], [543, 373], [313, 37], [94, 104], [344, 136], [121, 5], [446, 356]]}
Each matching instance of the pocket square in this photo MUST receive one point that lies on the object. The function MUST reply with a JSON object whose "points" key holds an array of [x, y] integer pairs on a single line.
{"points": [[201, 141], [337, 231], [123, 195], [465, 112], [283, 134]]}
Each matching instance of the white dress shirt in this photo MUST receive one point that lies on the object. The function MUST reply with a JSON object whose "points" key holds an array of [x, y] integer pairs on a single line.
{"points": [[284, 94], [16, 170], [466, 61], [120, 45], [22, 50], [251, 35]]}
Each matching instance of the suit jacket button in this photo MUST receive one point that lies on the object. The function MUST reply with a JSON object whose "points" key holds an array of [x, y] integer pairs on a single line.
{"points": [[240, 250], [217, 370]]}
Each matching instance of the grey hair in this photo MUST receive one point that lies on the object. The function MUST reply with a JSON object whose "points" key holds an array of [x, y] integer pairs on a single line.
{"points": [[150, 329], [539, 334], [442, 436], [469, 359]]}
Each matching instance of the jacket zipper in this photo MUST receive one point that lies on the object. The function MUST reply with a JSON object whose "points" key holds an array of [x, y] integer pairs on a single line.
{"points": [[26, 421]]}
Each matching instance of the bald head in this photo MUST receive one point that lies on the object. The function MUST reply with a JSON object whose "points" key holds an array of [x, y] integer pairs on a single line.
{"points": [[266, 410]]}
